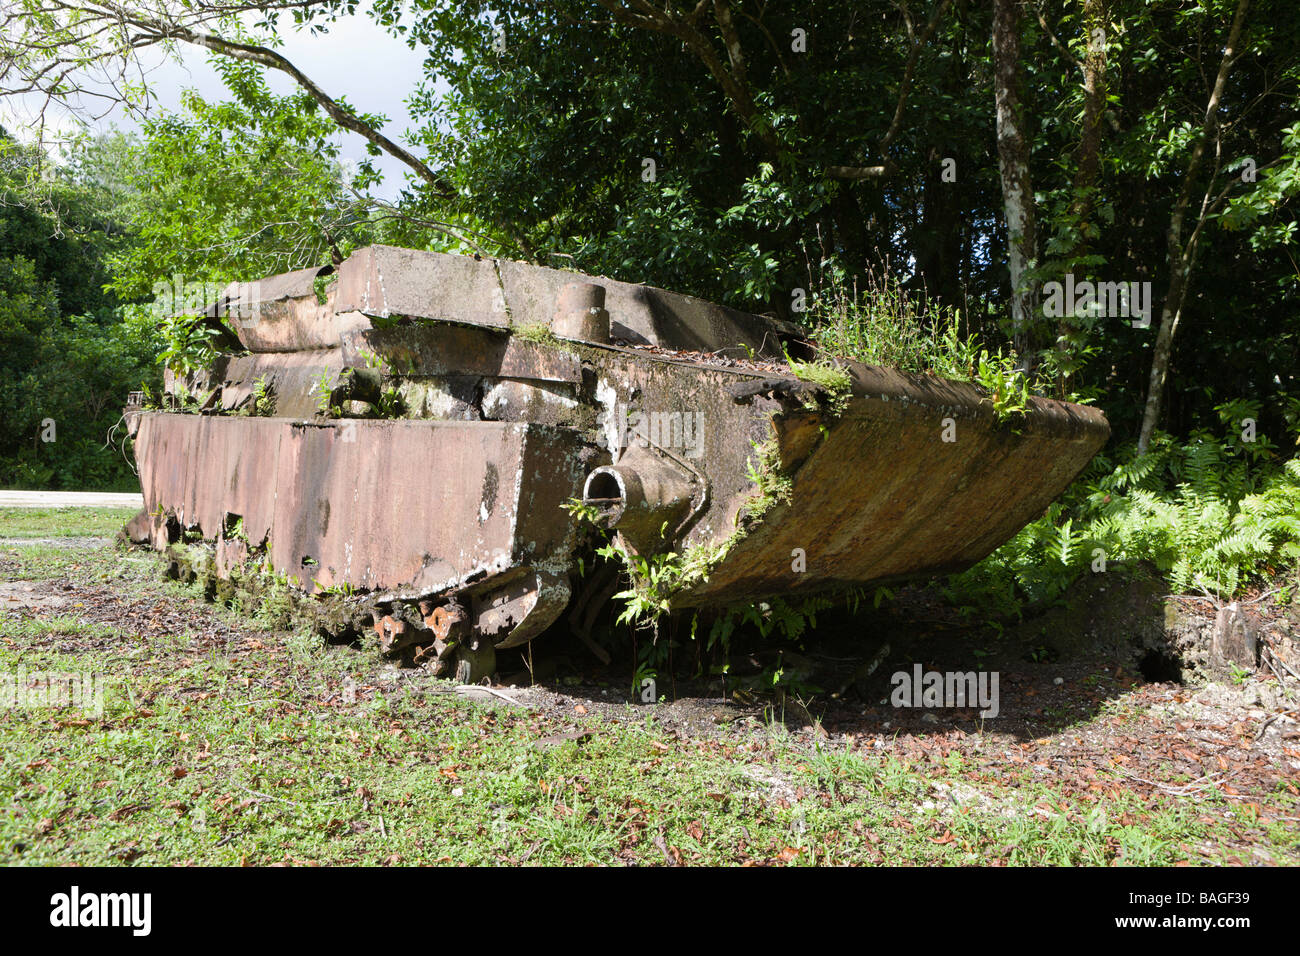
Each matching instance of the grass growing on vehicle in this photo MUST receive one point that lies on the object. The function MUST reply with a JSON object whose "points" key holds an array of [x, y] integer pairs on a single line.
{"points": [[881, 323], [822, 373], [874, 320], [538, 332]]}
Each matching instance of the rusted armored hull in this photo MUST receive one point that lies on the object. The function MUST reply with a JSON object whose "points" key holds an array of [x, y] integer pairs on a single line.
{"points": [[403, 509], [916, 478], [413, 436]]}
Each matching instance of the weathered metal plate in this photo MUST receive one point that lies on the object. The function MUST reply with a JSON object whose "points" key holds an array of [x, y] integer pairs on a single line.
{"points": [[409, 507], [293, 377], [645, 314], [521, 609], [240, 299], [460, 350], [293, 325], [388, 281], [884, 496], [280, 313]]}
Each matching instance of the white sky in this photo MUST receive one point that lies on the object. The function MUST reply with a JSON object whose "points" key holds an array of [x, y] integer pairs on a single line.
{"points": [[356, 60]]}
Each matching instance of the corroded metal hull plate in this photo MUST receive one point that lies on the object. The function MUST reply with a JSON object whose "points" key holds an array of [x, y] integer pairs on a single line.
{"points": [[402, 507], [916, 478]]}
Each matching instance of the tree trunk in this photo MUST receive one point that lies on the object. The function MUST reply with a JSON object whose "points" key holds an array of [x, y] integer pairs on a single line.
{"points": [[1013, 163], [1180, 254], [1087, 167], [1094, 105]]}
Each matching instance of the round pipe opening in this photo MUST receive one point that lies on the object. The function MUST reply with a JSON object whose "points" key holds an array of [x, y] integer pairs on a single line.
{"points": [[605, 491]]}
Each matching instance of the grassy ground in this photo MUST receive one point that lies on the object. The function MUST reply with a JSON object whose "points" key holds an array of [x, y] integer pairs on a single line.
{"points": [[57, 522], [221, 743]]}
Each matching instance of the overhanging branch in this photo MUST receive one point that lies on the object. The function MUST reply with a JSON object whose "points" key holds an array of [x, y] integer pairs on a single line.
{"points": [[349, 121]]}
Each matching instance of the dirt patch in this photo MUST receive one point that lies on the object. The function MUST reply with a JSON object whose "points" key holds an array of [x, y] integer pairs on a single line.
{"points": [[30, 596]]}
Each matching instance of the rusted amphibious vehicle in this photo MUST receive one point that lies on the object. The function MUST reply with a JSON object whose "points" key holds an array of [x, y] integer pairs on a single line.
{"points": [[404, 433]]}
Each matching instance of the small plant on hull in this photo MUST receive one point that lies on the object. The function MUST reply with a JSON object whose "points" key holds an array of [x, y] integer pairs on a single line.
{"points": [[323, 388], [188, 344], [535, 332], [1008, 386], [772, 488], [836, 383], [656, 578], [181, 399], [829, 376], [263, 401], [390, 404]]}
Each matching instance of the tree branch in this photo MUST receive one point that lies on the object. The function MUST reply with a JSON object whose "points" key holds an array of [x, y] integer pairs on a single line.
{"points": [[349, 121], [895, 124]]}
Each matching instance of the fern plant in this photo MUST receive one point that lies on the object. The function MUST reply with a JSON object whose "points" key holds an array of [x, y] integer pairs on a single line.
{"points": [[1209, 514]]}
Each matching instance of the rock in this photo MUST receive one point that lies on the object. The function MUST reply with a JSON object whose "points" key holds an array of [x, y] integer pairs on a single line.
{"points": [[556, 740], [1234, 641], [137, 529], [1264, 696]]}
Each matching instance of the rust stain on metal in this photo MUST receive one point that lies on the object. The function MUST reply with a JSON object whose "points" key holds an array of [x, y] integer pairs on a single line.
{"points": [[404, 497], [883, 496]]}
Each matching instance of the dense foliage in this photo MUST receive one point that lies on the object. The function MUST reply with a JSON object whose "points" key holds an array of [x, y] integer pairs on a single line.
{"points": [[1208, 514], [68, 352]]}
